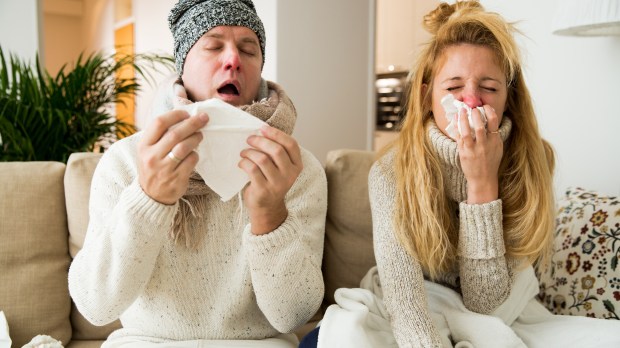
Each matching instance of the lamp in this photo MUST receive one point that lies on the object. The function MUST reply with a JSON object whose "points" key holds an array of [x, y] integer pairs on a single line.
{"points": [[587, 18]]}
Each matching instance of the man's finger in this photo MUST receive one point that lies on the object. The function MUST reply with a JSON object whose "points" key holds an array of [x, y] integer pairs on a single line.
{"points": [[181, 131], [160, 125], [288, 142]]}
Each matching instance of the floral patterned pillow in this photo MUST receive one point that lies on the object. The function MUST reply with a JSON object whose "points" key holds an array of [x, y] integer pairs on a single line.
{"points": [[584, 277]]}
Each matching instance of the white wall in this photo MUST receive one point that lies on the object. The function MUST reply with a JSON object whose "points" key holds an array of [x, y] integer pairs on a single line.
{"points": [[574, 84], [325, 63], [19, 28], [152, 35]]}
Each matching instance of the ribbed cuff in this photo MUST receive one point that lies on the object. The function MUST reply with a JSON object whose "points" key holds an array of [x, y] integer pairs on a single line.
{"points": [[481, 233], [284, 235], [135, 200]]}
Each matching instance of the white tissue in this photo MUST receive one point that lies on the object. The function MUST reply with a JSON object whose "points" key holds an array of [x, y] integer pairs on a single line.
{"points": [[453, 107], [224, 138]]}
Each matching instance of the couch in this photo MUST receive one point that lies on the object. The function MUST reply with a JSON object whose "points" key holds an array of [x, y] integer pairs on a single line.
{"points": [[44, 216]]}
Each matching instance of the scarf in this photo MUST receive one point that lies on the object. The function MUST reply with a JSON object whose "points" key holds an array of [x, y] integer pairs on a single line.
{"points": [[273, 106]]}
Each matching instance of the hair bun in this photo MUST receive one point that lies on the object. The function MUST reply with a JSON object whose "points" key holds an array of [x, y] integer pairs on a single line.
{"points": [[437, 17]]}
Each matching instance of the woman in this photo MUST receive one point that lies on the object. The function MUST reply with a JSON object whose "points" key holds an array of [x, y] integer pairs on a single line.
{"points": [[468, 210], [464, 200]]}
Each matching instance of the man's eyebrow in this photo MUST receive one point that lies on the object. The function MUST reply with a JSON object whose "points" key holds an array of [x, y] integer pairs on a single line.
{"points": [[214, 35], [249, 40]]}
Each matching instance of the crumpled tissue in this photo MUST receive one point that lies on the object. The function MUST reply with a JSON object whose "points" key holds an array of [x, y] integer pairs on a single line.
{"points": [[224, 137], [453, 107]]}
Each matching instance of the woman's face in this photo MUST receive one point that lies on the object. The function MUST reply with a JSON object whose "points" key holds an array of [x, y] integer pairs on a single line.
{"points": [[472, 74]]}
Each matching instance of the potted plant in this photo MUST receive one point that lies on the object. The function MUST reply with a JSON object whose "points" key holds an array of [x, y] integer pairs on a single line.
{"points": [[46, 118]]}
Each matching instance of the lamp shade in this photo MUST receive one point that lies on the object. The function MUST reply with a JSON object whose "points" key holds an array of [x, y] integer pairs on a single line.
{"points": [[587, 18]]}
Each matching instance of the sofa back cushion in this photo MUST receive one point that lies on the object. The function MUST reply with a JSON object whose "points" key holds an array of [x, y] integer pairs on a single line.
{"points": [[584, 276], [79, 174], [34, 257], [348, 229]]}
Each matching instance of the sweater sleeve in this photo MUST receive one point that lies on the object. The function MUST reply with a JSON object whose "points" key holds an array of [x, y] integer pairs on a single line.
{"points": [[401, 275], [285, 264], [484, 273], [126, 231]]}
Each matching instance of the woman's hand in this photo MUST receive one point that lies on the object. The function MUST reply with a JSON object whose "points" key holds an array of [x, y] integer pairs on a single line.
{"points": [[480, 157], [273, 163], [166, 156]]}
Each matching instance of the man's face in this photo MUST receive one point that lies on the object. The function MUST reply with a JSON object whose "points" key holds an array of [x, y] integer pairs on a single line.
{"points": [[224, 63]]}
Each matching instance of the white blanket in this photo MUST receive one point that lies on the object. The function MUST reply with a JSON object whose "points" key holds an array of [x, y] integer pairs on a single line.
{"points": [[359, 319]]}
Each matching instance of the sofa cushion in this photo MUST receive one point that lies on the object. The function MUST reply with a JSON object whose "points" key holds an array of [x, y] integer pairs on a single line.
{"points": [[584, 277], [34, 257], [348, 251], [79, 174]]}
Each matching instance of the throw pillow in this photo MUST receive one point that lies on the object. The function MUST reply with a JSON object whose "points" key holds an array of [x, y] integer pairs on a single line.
{"points": [[584, 277]]}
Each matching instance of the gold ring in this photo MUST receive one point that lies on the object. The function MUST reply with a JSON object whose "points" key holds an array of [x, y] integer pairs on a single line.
{"points": [[173, 157], [496, 132]]}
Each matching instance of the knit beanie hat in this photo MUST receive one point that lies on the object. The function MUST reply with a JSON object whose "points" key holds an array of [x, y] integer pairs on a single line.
{"points": [[190, 19]]}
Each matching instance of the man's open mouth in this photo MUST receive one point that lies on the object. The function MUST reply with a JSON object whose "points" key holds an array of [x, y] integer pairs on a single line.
{"points": [[229, 89]]}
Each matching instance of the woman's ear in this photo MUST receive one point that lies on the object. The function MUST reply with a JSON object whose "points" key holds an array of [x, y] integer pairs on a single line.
{"points": [[423, 90]]}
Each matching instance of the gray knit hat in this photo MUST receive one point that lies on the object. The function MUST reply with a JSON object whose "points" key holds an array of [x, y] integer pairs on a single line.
{"points": [[190, 19]]}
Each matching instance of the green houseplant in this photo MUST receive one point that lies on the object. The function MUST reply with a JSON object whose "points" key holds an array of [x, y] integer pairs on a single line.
{"points": [[46, 118]]}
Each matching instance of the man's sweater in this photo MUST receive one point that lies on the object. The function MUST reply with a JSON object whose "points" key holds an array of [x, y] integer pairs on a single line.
{"points": [[234, 286]]}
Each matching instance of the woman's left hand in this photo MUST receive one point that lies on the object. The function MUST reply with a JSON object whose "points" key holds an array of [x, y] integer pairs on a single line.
{"points": [[480, 157], [273, 163]]}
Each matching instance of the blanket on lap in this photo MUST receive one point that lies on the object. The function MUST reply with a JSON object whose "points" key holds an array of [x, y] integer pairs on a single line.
{"points": [[359, 319]]}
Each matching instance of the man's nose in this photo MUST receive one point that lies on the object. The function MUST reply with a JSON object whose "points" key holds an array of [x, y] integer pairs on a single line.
{"points": [[232, 60]]}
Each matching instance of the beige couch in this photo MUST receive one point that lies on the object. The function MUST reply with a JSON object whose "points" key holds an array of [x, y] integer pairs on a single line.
{"points": [[43, 219]]}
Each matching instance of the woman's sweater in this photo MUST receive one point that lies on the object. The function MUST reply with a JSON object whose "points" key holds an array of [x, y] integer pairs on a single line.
{"points": [[234, 285], [483, 275]]}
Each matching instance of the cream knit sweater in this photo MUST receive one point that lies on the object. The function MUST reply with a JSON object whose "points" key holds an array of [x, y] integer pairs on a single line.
{"points": [[234, 286], [484, 275]]}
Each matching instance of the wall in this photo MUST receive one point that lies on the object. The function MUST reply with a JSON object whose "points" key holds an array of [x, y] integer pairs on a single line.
{"points": [[62, 34], [151, 36], [574, 84], [325, 63], [20, 16]]}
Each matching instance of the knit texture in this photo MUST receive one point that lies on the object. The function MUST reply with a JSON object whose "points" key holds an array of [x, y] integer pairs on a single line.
{"points": [[235, 285], [483, 275], [190, 19]]}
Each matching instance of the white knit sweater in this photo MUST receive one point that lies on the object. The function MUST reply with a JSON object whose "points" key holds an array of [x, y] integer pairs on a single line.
{"points": [[235, 286], [484, 275]]}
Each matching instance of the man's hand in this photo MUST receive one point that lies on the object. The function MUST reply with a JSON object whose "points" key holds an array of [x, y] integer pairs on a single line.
{"points": [[166, 156], [273, 163]]}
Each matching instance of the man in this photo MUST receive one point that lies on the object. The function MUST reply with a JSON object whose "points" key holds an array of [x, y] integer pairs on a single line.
{"points": [[163, 253]]}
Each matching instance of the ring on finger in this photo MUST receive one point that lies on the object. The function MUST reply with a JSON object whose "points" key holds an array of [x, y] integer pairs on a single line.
{"points": [[494, 132], [173, 157]]}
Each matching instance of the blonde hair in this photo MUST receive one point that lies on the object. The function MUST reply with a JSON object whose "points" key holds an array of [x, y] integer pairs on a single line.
{"points": [[426, 223]]}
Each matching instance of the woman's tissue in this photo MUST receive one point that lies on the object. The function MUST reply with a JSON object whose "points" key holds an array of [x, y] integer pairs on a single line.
{"points": [[454, 107]]}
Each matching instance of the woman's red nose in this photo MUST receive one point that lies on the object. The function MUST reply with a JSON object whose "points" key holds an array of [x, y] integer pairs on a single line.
{"points": [[472, 101]]}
